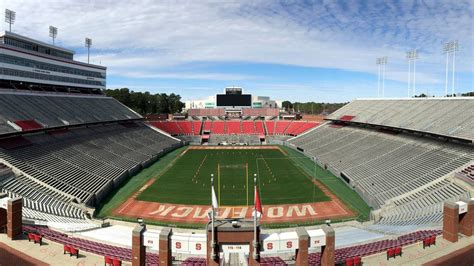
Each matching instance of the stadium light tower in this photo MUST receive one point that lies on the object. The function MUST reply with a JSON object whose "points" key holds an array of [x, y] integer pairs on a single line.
{"points": [[10, 17], [381, 62], [53, 32], [455, 47], [450, 47], [88, 45], [377, 61], [411, 57]]}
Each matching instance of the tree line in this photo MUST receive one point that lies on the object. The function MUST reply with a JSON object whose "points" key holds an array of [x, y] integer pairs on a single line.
{"points": [[147, 103], [466, 94], [161, 103]]}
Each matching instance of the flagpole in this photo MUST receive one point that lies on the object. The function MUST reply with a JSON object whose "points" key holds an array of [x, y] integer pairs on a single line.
{"points": [[213, 244], [219, 183], [247, 185], [255, 244]]}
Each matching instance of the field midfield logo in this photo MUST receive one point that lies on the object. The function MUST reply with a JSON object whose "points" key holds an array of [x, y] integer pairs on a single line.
{"points": [[300, 212], [242, 213], [163, 210], [271, 212], [199, 215], [186, 211]]}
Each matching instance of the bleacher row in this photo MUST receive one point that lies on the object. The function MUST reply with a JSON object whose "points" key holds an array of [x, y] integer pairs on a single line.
{"points": [[244, 127], [28, 111], [423, 206], [292, 128], [207, 112], [124, 254], [382, 166], [60, 170], [246, 112], [444, 116], [178, 128], [467, 173], [342, 254], [241, 138]]}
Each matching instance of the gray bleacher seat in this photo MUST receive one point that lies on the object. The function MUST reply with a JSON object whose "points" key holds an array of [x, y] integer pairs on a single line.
{"points": [[383, 166]]}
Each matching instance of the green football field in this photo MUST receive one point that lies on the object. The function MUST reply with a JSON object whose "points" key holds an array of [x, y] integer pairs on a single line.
{"points": [[188, 180]]}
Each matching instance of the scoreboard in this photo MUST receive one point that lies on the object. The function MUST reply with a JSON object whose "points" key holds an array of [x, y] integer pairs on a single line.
{"points": [[234, 100]]}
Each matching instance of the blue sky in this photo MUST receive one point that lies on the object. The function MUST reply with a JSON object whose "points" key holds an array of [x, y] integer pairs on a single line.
{"points": [[298, 50]]}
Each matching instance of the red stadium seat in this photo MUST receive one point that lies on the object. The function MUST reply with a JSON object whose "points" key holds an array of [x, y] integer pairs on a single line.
{"points": [[38, 239], [74, 252], [350, 262], [218, 127], [270, 125], [108, 261], [197, 127], [207, 125], [186, 127], [67, 250], [233, 127], [357, 261], [398, 251], [259, 128], [31, 237], [390, 253], [116, 262], [248, 127], [281, 127]]}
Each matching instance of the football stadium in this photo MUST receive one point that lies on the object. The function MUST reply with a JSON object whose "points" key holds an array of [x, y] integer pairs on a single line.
{"points": [[232, 179]]}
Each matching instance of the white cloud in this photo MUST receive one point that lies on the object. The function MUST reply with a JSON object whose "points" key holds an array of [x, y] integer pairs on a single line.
{"points": [[184, 75], [133, 37]]}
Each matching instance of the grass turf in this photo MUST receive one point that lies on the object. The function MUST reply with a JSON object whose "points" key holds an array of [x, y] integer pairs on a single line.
{"points": [[121, 194], [187, 181]]}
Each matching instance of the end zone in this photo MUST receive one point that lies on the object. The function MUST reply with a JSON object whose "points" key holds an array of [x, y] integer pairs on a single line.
{"points": [[197, 214]]}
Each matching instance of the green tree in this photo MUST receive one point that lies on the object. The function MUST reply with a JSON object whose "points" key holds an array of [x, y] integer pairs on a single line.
{"points": [[147, 103]]}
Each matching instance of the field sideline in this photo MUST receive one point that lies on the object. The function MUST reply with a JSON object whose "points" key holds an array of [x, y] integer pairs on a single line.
{"points": [[134, 184], [188, 180]]}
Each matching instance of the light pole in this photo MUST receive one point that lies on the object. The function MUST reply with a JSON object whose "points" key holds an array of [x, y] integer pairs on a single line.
{"points": [[411, 57], [377, 61], [10, 17], [53, 32], [88, 45], [450, 47], [455, 47], [382, 61]]}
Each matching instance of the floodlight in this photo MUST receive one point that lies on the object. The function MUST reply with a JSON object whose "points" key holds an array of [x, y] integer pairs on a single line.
{"points": [[88, 45], [53, 32], [10, 17]]}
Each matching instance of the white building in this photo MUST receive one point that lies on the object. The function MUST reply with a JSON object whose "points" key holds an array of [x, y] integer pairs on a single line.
{"points": [[234, 94], [30, 64]]}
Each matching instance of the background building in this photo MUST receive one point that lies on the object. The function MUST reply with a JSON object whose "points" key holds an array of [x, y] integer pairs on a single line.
{"points": [[34, 65], [233, 98]]}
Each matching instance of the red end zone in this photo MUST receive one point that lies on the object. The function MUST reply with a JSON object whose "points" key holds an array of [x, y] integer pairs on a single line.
{"points": [[197, 214]]}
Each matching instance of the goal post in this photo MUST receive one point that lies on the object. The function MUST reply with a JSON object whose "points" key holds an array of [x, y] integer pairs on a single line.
{"points": [[219, 183], [247, 181], [223, 180]]}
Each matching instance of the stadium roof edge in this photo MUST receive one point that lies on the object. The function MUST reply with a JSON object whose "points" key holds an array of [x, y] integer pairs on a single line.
{"points": [[18, 36], [52, 94], [461, 139], [21, 133]]}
